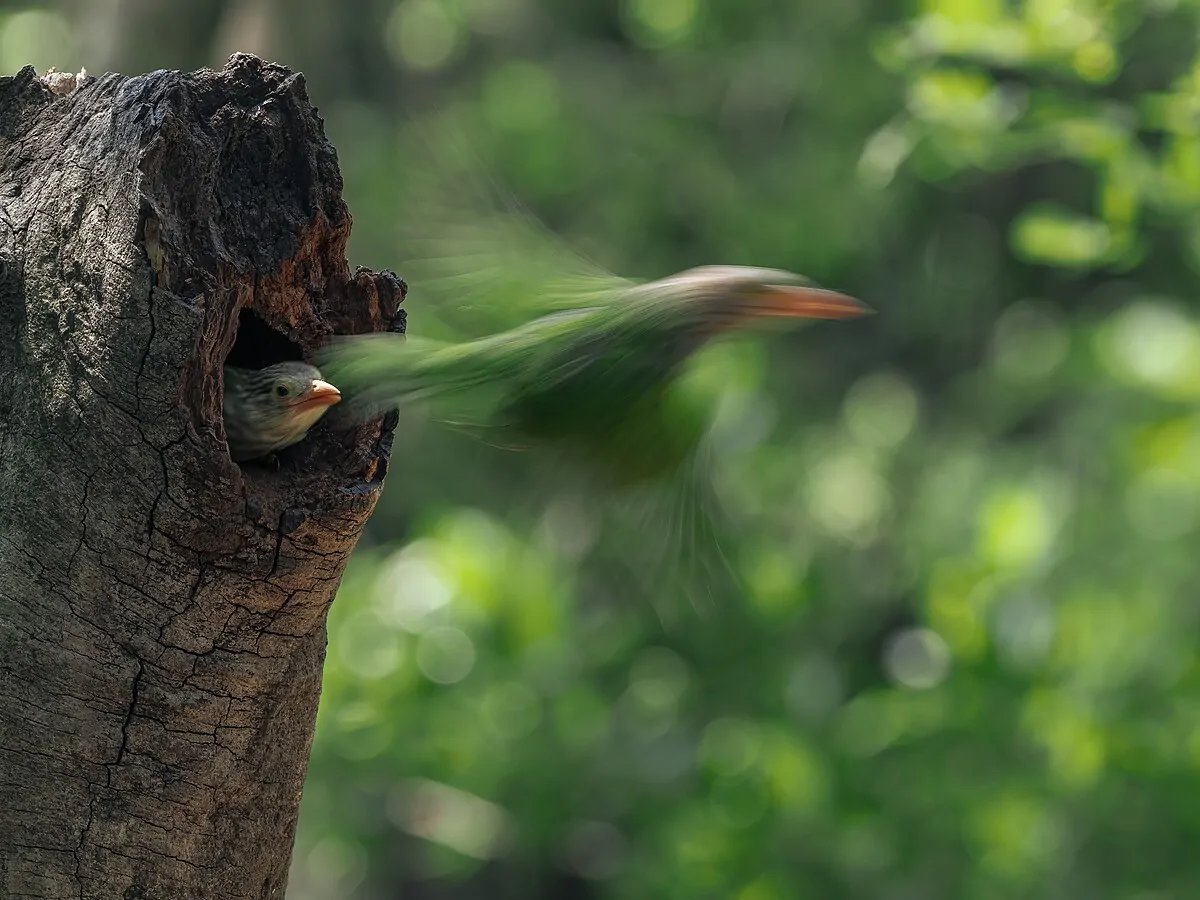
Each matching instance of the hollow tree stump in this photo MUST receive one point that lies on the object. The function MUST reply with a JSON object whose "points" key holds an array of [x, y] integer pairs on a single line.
{"points": [[162, 610]]}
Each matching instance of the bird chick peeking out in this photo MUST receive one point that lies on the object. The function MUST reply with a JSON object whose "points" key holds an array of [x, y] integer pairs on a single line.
{"points": [[272, 408]]}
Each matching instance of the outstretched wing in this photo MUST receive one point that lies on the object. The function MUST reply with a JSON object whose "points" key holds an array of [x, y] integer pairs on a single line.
{"points": [[473, 256]]}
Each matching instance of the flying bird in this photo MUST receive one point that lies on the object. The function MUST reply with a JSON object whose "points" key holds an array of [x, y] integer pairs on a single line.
{"points": [[597, 381]]}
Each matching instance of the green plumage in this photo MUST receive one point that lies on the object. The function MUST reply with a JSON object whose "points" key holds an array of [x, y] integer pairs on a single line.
{"points": [[598, 382], [570, 358]]}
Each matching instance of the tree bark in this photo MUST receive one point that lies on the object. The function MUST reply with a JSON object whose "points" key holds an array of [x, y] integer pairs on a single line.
{"points": [[162, 610]]}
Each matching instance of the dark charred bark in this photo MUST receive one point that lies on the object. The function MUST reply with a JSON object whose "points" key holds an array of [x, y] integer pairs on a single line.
{"points": [[162, 610]]}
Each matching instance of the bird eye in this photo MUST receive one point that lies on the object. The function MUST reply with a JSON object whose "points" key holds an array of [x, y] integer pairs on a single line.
{"points": [[281, 390]]}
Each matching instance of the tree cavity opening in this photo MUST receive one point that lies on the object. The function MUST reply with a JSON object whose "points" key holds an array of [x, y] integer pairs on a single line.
{"points": [[258, 345]]}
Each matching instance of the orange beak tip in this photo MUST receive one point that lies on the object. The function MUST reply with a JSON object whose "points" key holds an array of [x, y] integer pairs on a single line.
{"points": [[321, 394], [812, 303], [861, 309]]}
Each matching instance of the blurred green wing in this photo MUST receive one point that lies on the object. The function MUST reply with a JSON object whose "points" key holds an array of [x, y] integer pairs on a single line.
{"points": [[461, 382], [474, 256]]}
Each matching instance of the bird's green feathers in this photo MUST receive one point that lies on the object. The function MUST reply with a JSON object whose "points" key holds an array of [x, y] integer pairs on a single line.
{"points": [[561, 354], [480, 261], [598, 381]]}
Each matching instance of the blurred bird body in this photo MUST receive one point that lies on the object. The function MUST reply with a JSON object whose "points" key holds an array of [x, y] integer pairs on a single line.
{"points": [[563, 356], [269, 409], [597, 381]]}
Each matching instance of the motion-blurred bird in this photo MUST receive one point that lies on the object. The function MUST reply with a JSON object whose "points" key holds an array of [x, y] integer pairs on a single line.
{"points": [[598, 381], [561, 355], [272, 408]]}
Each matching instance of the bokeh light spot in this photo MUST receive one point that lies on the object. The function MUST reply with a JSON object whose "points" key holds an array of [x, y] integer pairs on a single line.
{"points": [[660, 23], [866, 726], [410, 589], [335, 866], [1016, 833], [881, 410], [731, 745], [774, 578], [883, 154], [846, 496], [568, 527], [1029, 342], [452, 817], [1095, 61], [367, 647], [1153, 343], [423, 34], [520, 96], [960, 99], [1024, 633], [796, 774], [917, 658], [1055, 236], [1017, 526], [445, 655]]}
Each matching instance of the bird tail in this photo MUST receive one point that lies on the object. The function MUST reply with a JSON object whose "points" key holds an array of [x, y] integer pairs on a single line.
{"points": [[666, 541]]}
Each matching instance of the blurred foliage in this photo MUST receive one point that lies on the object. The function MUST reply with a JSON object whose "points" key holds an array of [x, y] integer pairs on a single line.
{"points": [[963, 661]]}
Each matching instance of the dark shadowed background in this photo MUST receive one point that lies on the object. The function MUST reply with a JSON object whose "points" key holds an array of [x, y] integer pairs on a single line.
{"points": [[963, 664]]}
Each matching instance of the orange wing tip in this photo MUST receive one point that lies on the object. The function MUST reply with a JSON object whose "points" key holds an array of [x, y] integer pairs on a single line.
{"points": [[809, 303]]}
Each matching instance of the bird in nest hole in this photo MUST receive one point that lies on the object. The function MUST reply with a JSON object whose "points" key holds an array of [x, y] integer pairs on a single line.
{"points": [[272, 408]]}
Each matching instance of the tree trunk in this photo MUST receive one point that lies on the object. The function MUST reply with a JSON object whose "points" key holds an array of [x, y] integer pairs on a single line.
{"points": [[162, 610]]}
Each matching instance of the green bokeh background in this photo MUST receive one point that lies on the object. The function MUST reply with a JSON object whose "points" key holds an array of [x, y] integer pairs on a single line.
{"points": [[963, 663]]}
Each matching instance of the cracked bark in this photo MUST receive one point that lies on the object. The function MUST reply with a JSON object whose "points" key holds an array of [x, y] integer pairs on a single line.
{"points": [[162, 610]]}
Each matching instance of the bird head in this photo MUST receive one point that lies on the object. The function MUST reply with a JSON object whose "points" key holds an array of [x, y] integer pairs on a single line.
{"points": [[725, 297], [272, 408]]}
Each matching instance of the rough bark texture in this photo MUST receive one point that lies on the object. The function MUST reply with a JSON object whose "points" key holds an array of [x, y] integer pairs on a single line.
{"points": [[162, 610]]}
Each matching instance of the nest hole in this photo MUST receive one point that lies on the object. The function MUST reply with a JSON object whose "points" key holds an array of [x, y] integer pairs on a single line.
{"points": [[258, 345]]}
